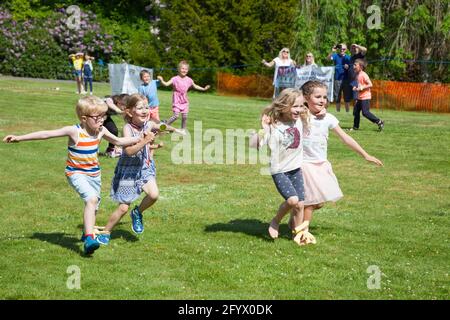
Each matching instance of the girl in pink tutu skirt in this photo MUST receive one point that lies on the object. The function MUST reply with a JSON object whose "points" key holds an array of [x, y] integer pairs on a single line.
{"points": [[320, 182]]}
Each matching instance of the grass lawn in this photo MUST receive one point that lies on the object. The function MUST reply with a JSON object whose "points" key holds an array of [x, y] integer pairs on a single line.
{"points": [[206, 237]]}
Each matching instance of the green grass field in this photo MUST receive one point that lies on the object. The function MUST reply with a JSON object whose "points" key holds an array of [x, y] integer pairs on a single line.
{"points": [[206, 237]]}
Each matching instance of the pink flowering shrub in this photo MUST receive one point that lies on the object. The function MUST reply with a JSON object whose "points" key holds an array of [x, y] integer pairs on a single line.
{"points": [[39, 48]]}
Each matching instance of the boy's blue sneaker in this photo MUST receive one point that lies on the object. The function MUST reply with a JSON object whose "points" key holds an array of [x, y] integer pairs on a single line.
{"points": [[90, 245], [103, 239], [136, 221]]}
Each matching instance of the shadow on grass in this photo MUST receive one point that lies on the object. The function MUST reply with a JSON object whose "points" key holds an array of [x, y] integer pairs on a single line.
{"points": [[60, 239], [257, 228], [123, 234], [251, 227], [119, 233]]}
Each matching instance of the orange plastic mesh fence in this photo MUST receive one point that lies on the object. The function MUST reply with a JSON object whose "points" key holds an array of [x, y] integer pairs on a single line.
{"points": [[396, 95]]}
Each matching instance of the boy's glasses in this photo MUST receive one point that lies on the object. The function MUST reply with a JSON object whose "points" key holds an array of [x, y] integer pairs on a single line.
{"points": [[98, 118]]}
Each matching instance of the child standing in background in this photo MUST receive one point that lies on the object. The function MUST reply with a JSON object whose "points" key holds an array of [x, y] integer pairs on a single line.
{"points": [[88, 71], [83, 169], [148, 89], [77, 61], [321, 184], [181, 84], [135, 171]]}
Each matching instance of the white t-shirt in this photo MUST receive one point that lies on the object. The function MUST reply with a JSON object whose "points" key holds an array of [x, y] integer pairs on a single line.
{"points": [[315, 142], [285, 143], [280, 63]]}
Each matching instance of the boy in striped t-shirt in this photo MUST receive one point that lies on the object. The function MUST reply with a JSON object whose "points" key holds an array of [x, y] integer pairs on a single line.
{"points": [[83, 170]]}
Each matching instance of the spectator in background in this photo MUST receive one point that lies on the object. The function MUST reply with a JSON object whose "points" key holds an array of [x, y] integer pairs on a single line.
{"points": [[309, 60], [283, 64], [341, 78]]}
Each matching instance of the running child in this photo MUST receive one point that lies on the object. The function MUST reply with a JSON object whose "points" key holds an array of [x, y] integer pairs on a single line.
{"points": [[284, 122], [83, 170], [181, 84], [364, 96], [321, 184], [135, 171]]}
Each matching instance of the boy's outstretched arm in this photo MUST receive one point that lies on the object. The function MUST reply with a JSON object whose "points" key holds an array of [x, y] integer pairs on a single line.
{"points": [[122, 142], [69, 131], [349, 141]]}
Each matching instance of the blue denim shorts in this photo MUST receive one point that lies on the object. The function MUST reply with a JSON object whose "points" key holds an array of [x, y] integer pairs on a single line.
{"points": [[86, 186]]}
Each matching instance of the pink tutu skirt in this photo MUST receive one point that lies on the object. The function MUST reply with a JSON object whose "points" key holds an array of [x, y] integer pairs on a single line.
{"points": [[321, 184]]}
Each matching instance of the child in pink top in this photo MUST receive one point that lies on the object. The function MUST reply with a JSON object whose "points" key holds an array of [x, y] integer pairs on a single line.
{"points": [[181, 84], [364, 96]]}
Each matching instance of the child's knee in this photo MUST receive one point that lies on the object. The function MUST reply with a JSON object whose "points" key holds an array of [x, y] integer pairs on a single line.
{"points": [[300, 205], [292, 201], [123, 208], [92, 201], [154, 195]]}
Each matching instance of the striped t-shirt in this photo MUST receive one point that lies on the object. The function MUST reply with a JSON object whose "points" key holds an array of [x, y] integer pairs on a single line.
{"points": [[82, 157]]}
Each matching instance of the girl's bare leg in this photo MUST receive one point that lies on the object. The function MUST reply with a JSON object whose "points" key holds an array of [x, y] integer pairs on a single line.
{"points": [[115, 217], [282, 211], [152, 191]]}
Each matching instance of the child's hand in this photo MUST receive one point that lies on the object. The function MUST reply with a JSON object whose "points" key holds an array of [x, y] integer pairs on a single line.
{"points": [[355, 88], [207, 87], [149, 136], [10, 139], [321, 113], [374, 160], [160, 78], [161, 144]]}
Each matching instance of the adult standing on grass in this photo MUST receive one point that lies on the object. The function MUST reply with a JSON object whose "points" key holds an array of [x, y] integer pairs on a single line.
{"points": [[341, 80], [83, 170], [283, 65]]}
